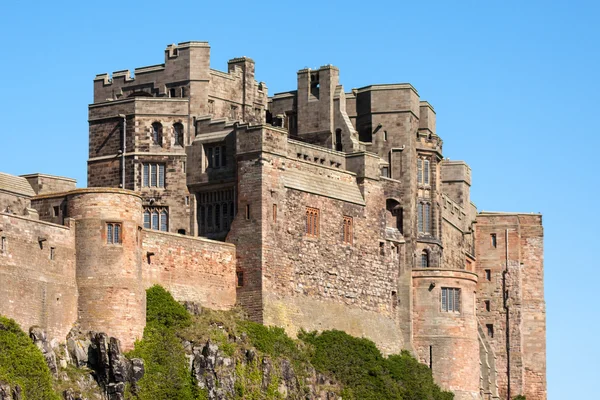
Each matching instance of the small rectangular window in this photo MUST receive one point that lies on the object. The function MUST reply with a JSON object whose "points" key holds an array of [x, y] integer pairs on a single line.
{"points": [[274, 212], [450, 299], [490, 330], [155, 220], [419, 170], [385, 136], [172, 92], [493, 240], [488, 274], [312, 221], [52, 253], [153, 175], [113, 233], [420, 217], [146, 175], [161, 175], [183, 167], [487, 305], [3, 244], [385, 172], [247, 211], [240, 278], [426, 172], [348, 230], [187, 200], [55, 211], [209, 156], [382, 248]]}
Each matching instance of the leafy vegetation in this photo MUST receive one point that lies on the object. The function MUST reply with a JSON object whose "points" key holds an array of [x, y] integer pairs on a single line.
{"points": [[366, 374], [166, 374], [22, 363], [519, 397]]}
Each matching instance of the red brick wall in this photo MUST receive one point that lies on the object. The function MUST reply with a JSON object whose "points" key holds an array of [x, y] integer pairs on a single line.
{"points": [[191, 268], [35, 290]]}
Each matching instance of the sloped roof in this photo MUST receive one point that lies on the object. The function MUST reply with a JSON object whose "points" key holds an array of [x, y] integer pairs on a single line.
{"points": [[15, 184], [322, 186]]}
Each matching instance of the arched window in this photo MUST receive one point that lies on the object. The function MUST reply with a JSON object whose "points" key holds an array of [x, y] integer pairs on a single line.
{"points": [[157, 133], [178, 130], [425, 259]]}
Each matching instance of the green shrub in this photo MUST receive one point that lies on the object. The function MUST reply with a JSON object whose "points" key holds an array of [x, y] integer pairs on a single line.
{"points": [[519, 397], [269, 339], [166, 373], [21, 362], [416, 378], [163, 310], [366, 374]]}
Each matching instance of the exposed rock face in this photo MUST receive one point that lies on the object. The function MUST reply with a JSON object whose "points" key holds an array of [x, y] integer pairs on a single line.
{"points": [[38, 335], [216, 373], [10, 393], [101, 353], [113, 369]]}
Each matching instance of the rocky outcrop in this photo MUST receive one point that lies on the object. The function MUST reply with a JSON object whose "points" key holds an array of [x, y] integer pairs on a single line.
{"points": [[10, 393], [38, 335], [217, 373]]}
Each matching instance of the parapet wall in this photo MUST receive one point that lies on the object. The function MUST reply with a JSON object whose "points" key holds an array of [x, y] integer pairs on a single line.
{"points": [[191, 268], [37, 274]]}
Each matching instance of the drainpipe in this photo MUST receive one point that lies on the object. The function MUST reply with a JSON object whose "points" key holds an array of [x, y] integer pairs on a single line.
{"points": [[124, 149], [507, 308]]}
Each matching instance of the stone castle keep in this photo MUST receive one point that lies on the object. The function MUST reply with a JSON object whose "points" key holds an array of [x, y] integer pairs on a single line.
{"points": [[314, 208]]}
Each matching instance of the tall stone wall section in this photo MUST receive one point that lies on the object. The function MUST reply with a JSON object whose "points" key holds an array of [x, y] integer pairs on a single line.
{"points": [[317, 282], [515, 324], [37, 274], [191, 268]]}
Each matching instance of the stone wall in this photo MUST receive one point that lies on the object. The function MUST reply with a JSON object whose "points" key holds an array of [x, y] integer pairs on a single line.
{"points": [[37, 274], [46, 184], [192, 269], [14, 203], [517, 317], [314, 282]]}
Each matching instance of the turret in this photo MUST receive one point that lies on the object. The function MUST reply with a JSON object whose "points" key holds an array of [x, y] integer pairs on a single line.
{"points": [[109, 274]]}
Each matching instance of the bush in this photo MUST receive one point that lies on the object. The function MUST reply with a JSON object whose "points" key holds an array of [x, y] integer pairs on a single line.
{"points": [[519, 397], [416, 378], [366, 374], [166, 375], [22, 363], [166, 372], [163, 310]]}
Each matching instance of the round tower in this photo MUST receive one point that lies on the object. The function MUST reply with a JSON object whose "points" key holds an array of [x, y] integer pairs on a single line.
{"points": [[445, 328], [109, 275]]}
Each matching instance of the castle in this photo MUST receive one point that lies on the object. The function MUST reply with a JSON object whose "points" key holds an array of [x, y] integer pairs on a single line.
{"points": [[314, 208]]}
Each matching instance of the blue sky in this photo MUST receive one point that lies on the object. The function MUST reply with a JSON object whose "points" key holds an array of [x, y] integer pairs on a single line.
{"points": [[514, 85]]}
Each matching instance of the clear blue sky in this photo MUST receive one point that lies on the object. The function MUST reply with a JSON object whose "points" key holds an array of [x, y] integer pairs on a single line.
{"points": [[514, 85]]}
